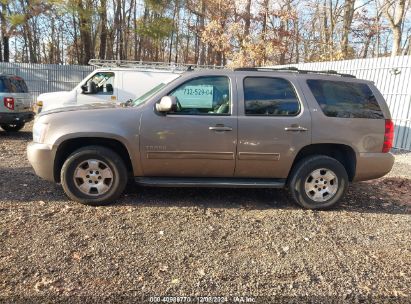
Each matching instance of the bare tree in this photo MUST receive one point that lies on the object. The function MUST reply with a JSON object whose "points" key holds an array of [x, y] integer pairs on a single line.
{"points": [[394, 11]]}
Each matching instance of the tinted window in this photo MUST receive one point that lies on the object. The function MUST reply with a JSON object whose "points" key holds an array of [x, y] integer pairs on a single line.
{"points": [[345, 99], [270, 97], [13, 85], [203, 96], [2, 85]]}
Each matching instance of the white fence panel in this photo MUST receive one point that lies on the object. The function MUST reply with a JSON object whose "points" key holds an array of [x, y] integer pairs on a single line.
{"points": [[392, 76], [43, 78]]}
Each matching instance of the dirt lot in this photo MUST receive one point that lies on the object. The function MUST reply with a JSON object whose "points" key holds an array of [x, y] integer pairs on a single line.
{"points": [[197, 242]]}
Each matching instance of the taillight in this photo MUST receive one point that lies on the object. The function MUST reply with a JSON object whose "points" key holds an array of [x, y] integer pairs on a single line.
{"points": [[9, 103], [388, 136]]}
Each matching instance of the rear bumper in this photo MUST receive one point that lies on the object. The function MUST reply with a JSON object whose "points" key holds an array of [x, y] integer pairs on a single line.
{"points": [[373, 165], [41, 157], [18, 117]]}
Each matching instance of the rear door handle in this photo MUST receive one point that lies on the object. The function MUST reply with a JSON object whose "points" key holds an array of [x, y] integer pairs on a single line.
{"points": [[295, 128], [220, 128]]}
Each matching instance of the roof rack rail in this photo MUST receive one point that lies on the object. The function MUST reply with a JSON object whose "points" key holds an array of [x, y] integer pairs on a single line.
{"points": [[295, 70], [105, 63]]}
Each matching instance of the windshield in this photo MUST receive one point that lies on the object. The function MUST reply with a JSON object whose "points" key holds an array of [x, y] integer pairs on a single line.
{"points": [[143, 98], [146, 96]]}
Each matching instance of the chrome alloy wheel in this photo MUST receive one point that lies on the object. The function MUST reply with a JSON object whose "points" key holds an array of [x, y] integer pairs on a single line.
{"points": [[93, 177], [321, 185]]}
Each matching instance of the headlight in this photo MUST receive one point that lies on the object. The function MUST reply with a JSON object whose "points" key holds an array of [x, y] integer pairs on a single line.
{"points": [[39, 103], [39, 132]]}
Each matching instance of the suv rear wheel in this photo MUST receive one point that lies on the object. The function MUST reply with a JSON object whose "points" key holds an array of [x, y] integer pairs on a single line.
{"points": [[94, 176], [318, 182], [13, 127]]}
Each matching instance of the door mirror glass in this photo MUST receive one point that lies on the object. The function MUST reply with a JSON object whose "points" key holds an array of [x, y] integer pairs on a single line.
{"points": [[166, 104]]}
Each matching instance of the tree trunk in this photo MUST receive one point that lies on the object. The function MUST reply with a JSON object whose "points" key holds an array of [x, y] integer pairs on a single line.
{"points": [[4, 34], [177, 36], [170, 51], [366, 46], [247, 18], [202, 46], [103, 34], [395, 19], [135, 29], [347, 21], [396, 41], [85, 33]]}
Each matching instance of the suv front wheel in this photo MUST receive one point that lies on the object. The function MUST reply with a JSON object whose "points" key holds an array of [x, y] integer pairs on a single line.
{"points": [[94, 176], [318, 182]]}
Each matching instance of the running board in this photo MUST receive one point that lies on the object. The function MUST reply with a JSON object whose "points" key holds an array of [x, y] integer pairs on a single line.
{"points": [[210, 182]]}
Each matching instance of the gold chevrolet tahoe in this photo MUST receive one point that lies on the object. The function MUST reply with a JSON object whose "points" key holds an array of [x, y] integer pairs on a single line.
{"points": [[310, 132]]}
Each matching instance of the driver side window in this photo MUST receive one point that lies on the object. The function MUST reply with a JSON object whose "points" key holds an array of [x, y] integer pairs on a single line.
{"points": [[101, 83], [203, 96]]}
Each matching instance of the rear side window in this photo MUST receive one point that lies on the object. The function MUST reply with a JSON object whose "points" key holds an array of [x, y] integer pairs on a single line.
{"points": [[345, 99], [13, 85], [269, 96]]}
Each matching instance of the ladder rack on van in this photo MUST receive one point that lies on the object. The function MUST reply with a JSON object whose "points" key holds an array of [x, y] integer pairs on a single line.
{"points": [[104, 63]]}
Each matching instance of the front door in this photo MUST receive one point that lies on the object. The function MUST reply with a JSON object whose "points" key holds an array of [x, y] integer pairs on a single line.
{"points": [[196, 139], [274, 123]]}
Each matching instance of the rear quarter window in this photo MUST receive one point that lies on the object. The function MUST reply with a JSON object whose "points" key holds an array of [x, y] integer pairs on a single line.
{"points": [[345, 99]]}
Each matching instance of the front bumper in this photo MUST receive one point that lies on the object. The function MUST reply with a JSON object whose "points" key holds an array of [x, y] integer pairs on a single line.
{"points": [[373, 165], [41, 157], [14, 118]]}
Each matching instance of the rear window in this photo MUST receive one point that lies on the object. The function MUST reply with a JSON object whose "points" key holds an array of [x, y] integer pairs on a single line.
{"points": [[13, 85], [345, 99]]}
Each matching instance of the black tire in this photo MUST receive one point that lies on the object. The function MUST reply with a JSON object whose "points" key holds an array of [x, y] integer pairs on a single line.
{"points": [[302, 173], [104, 156], [13, 127]]}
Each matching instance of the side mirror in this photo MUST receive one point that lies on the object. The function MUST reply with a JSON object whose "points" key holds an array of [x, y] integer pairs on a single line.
{"points": [[166, 104]]}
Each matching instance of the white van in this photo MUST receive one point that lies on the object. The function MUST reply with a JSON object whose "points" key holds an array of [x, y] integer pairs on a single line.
{"points": [[116, 83]]}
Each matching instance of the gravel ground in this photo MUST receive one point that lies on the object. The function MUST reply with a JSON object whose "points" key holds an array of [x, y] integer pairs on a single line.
{"points": [[201, 242]]}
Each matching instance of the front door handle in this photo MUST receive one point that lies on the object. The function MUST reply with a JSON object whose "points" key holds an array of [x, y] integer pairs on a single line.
{"points": [[295, 128], [220, 128]]}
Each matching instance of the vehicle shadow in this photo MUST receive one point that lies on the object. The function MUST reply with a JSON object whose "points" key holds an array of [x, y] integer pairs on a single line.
{"points": [[21, 185], [20, 135], [363, 197]]}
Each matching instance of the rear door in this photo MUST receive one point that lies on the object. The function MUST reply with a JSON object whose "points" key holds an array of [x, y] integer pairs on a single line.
{"points": [[274, 123]]}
